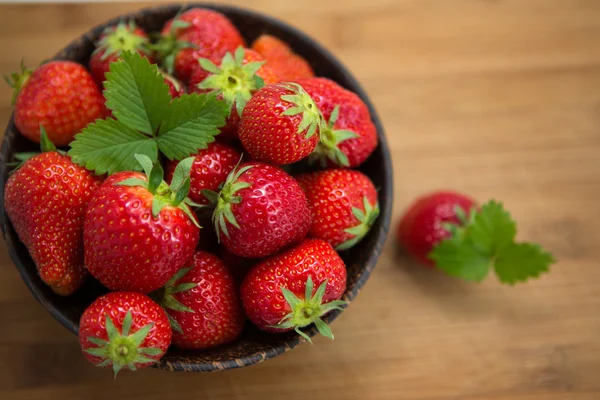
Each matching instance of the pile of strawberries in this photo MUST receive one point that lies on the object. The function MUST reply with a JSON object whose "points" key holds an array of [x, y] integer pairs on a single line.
{"points": [[190, 235]]}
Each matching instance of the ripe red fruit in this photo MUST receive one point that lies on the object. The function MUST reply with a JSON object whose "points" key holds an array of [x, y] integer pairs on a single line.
{"points": [[61, 96], [280, 57], [280, 124], [138, 231], [421, 226], [238, 266], [45, 200], [113, 42], [234, 80], [278, 296], [209, 32], [349, 137], [124, 330], [259, 210], [202, 303], [343, 205]]}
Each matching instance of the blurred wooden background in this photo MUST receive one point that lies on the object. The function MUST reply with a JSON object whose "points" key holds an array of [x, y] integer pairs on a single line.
{"points": [[495, 98]]}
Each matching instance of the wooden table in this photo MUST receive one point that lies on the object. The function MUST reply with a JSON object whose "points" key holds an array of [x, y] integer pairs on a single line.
{"points": [[494, 98]]}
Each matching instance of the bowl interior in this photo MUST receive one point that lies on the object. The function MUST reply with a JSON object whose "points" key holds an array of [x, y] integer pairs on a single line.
{"points": [[254, 345]]}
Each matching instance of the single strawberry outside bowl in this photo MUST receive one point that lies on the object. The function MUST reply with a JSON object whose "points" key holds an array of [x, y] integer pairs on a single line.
{"points": [[253, 346]]}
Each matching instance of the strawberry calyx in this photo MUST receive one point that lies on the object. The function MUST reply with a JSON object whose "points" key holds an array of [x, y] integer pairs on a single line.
{"points": [[174, 195], [167, 46], [305, 105], [117, 39], [224, 200], [165, 296], [46, 145], [233, 80], [17, 81], [308, 310], [122, 349], [330, 138], [366, 218]]}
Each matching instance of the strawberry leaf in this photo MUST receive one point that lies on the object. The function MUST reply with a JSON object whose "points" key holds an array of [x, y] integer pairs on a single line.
{"points": [[493, 229], [520, 261], [107, 146], [136, 93], [191, 124]]}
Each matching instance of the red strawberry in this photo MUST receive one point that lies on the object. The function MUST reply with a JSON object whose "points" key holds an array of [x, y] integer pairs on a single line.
{"points": [[203, 304], [288, 65], [113, 42], [61, 96], [280, 124], [343, 205], [422, 226], [124, 330], [349, 137], [176, 88], [209, 170], [278, 295], [235, 80], [196, 33], [259, 210], [238, 266], [138, 231], [45, 200]]}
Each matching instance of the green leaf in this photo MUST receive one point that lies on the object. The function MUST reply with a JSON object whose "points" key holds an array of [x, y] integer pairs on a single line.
{"points": [[191, 125], [458, 258], [108, 146], [493, 229], [136, 93], [521, 261], [146, 163]]}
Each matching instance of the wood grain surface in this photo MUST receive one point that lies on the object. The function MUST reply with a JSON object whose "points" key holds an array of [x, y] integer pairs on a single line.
{"points": [[496, 98]]}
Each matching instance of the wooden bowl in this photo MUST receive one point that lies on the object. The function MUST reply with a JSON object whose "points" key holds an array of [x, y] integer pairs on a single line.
{"points": [[253, 346]]}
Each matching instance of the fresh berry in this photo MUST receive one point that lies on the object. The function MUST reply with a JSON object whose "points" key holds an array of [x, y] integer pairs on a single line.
{"points": [[125, 36], [259, 210], [196, 33], [280, 57], [348, 137], [61, 96], [238, 266], [202, 303], [139, 231], [447, 230], [280, 124], [234, 80], [176, 88], [45, 200], [343, 205], [209, 170], [124, 330], [278, 295], [422, 225]]}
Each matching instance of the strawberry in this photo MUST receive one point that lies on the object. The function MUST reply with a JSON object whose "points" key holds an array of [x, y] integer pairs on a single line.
{"points": [[277, 294], [138, 231], [60, 95], [343, 205], [203, 304], [124, 330], [280, 124], [234, 80], [447, 230], [288, 65], [422, 225], [176, 88], [209, 170], [348, 137], [45, 200], [124, 36], [259, 210], [196, 33], [238, 266]]}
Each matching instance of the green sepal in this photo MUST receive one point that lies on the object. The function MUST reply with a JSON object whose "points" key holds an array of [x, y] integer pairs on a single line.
{"points": [[122, 349], [330, 139], [304, 105], [165, 296], [308, 310], [117, 39], [133, 182], [17, 81], [45, 142], [366, 220]]}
